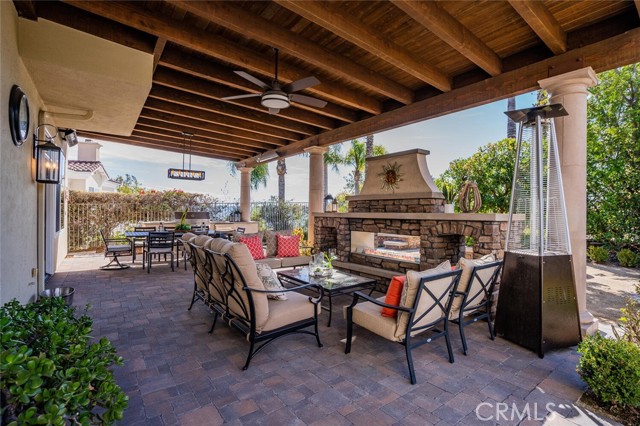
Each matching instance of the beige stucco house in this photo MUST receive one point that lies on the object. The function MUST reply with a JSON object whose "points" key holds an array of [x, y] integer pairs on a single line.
{"points": [[87, 173]]}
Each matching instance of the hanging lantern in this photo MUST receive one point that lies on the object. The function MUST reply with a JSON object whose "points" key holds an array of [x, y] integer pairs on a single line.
{"points": [[469, 199]]}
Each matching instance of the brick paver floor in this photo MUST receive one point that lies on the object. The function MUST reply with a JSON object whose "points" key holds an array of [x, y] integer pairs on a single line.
{"points": [[175, 373]]}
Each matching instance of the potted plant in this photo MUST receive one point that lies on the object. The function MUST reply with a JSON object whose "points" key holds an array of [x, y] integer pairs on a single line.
{"points": [[449, 195], [51, 372], [468, 247], [183, 226]]}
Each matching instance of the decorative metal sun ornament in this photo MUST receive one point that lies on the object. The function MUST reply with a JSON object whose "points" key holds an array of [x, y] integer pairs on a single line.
{"points": [[391, 176]]}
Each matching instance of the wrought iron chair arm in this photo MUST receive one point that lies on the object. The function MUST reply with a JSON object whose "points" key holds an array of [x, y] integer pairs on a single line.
{"points": [[359, 295], [290, 289]]}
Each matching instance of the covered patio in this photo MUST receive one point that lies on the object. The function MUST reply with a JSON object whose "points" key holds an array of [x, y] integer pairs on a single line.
{"points": [[177, 373]]}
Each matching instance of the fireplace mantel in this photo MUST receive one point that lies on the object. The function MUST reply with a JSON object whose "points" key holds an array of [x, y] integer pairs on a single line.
{"points": [[484, 217]]}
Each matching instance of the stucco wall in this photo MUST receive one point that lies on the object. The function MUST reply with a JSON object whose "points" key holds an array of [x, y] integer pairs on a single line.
{"points": [[18, 190]]}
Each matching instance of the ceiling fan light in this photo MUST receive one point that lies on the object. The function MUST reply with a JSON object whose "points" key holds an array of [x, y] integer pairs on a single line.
{"points": [[275, 99]]}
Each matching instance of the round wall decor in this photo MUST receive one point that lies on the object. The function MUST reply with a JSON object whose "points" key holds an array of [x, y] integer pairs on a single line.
{"points": [[18, 115]]}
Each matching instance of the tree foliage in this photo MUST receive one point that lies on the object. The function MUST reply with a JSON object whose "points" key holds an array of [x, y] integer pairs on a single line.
{"points": [[613, 158], [128, 184], [259, 174], [492, 169], [356, 158]]}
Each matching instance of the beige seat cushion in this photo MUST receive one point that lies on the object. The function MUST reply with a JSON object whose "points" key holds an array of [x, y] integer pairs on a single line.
{"points": [[186, 237], [244, 261], [284, 312], [288, 262], [467, 266], [201, 240], [273, 262], [368, 315], [409, 292]]}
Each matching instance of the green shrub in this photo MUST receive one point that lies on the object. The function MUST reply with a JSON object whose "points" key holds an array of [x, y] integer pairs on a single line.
{"points": [[630, 320], [50, 373], [611, 368], [598, 254], [627, 258]]}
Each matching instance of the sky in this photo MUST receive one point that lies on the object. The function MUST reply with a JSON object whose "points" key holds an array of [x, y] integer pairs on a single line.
{"points": [[448, 138]]}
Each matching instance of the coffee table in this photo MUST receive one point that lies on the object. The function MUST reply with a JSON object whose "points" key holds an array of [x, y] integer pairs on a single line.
{"points": [[340, 283]]}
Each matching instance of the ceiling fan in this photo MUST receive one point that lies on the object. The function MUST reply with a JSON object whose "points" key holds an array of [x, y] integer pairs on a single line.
{"points": [[276, 97]]}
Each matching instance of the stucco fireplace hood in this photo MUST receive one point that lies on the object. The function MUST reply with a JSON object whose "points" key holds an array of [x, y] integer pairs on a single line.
{"points": [[414, 178]]}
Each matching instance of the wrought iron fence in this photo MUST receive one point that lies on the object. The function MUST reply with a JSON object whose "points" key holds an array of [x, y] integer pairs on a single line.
{"points": [[87, 219]]}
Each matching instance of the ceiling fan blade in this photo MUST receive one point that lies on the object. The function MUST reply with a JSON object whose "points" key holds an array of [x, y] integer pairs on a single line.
{"points": [[307, 100], [246, 95], [254, 80], [274, 110], [301, 84]]}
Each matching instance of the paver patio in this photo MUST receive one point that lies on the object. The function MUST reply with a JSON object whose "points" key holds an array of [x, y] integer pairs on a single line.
{"points": [[177, 373]]}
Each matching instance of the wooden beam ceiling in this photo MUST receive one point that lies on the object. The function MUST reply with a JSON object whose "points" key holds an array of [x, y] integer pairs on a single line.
{"points": [[611, 53], [542, 22], [215, 46], [237, 19], [328, 15], [157, 51], [430, 15], [637, 2]]}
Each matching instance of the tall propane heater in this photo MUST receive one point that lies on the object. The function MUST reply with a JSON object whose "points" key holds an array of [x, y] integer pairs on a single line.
{"points": [[537, 305]]}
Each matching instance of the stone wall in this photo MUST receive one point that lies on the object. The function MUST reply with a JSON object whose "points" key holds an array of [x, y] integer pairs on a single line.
{"points": [[411, 205]]}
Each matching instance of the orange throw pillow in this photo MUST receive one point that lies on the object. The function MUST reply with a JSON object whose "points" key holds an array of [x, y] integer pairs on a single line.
{"points": [[394, 292]]}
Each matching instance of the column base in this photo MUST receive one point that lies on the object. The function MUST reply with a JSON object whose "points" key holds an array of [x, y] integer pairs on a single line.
{"points": [[588, 324]]}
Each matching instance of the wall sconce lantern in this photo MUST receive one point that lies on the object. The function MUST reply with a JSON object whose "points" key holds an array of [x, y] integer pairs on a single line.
{"points": [[328, 203], [47, 156]]}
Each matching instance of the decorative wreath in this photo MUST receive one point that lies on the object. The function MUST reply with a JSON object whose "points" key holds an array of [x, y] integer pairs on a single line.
{"points": [[469, 199], [391, 176]]}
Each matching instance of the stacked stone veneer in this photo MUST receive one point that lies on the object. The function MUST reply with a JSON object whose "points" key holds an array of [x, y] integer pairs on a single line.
{"points": [[441, 238], [411, 205]]}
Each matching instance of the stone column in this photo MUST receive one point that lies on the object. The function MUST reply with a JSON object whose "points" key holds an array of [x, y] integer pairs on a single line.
{"points": [[570, 89], [245, 193], [316, 185]]}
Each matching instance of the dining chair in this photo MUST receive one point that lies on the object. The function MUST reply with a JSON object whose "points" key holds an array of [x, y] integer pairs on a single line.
{"points": [[158, 243], [140, 241], [115, 247]]}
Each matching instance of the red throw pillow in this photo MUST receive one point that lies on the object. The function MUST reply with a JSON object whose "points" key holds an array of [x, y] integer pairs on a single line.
{"points": [[288, 246], [394, 292], [255, 246]]}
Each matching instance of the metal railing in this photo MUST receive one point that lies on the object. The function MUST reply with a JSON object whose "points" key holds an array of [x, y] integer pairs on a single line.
{"points": [[87, 219]]}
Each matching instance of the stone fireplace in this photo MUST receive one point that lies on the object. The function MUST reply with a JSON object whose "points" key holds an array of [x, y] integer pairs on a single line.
{"points": [[403, 215]]}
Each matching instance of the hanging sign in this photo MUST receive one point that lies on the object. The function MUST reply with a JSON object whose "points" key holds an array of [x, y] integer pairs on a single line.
{"points": [[185, 174]]}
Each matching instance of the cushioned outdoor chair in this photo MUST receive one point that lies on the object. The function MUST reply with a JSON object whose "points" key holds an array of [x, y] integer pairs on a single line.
{"points": [[202, 269], [141, 242], [183, 242], [158, 243], [422, 315], [115, 247], [473, 298]]}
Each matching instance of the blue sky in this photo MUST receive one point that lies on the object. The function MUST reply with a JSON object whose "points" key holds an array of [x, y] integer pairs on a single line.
{"points": [[450, 137]]}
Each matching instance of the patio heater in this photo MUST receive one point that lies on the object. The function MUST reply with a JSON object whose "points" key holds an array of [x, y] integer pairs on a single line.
{"points": [[537, 305]]}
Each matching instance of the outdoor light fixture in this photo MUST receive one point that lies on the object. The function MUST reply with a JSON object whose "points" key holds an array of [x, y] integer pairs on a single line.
{"points": [[186, 174], [47, 156], [269, 155], [276, 99], [328, 203], [70, 136]]}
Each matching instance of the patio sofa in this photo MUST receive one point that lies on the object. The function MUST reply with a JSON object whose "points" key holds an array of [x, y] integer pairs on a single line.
{"points": [[226, 280], [271, 250]]}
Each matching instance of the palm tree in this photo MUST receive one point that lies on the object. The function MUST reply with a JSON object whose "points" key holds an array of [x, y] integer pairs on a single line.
{"points": [[259, 174], [332, 158], [369, 151], [281, 169], [356, 158], [511, 125]]}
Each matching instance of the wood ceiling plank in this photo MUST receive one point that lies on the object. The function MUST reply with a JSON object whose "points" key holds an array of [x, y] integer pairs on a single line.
{"points": [[616, 51], [197, 142], [326, 15], [542, 22], [637, 2], [224, 120], [157, 51], [26, 9], [215, 46], [236, 18], [163, 146], [153, 128], [198, 86], [207, 104], [437, 20], [207, 70], [187, 123]]}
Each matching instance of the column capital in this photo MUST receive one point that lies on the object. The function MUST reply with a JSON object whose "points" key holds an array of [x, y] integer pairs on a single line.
{"points": [[571, 82], [317, 149], [245, 169]]}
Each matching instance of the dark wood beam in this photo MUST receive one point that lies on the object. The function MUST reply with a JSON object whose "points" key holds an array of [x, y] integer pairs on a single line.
{"points": [[542, 22], [614, 52], [217, 47], [207, 104], [197, 86], [197, 138], [223, 120], [26, 9], [249, 138], [239, 143], [238, 19], [437, 20], [72, 17], [637, 2], [163, 146], [157, 51], [197, 142]]}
